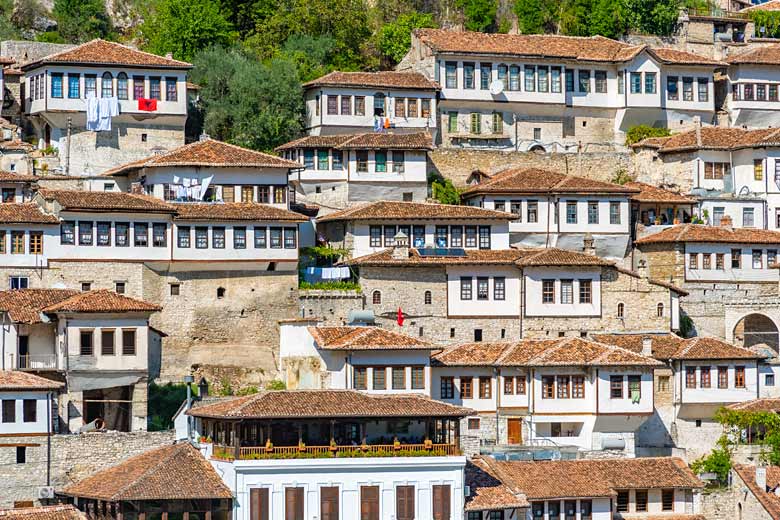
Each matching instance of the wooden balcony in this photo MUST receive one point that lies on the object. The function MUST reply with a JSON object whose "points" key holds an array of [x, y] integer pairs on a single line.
{"points": [[37, 362], [228, 453]]}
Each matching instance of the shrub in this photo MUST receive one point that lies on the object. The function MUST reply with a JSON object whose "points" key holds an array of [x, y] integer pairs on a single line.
{"points": [[639, 132], [718, 462]]}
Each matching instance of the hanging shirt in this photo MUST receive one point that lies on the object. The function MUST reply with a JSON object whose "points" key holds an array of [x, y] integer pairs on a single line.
{"points": [[92, 112]]}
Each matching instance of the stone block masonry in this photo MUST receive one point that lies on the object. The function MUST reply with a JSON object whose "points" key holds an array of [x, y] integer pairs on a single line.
{"points": [[73, 457]]}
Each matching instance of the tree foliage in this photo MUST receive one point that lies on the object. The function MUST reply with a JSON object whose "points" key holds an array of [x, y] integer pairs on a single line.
{"points": [[478, 15], [443, 190], [81, 20], [640, 132], [395, 38]]}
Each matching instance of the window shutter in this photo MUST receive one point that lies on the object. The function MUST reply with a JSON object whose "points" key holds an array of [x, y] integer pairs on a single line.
{"points": [[258, 504], [441, 502], [369, 503], [329, 503], [404, 502], [293, 503]]}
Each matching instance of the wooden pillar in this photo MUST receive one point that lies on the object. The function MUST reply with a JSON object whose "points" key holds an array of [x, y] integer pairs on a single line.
{"points": [[237, 440], [457, 433], [332, 430], [428, 428]]}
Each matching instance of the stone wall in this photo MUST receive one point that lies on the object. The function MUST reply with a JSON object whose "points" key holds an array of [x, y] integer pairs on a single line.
{"points": [[73, 457], [332, 307], [672, 171]]}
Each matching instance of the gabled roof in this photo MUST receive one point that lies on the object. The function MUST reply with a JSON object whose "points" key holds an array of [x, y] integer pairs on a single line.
{"points": [[487, 491], [105, 201], [663, 346], [385, 258], [366, 338], [381, 79], [17, 178], [58, 512], [18, 380], [765, 404], [26, 305], [714, 138], [535, 180], [25, 213], [672, 346], [314, 404], [364, 141], [768, 55], [534, 353], [552, 256], [690, 233], [653, 194], [234, 211], [766, 497], [771, 5], [101, 52], [206, 153], [393, 210], [677, 57], [172, 472]]}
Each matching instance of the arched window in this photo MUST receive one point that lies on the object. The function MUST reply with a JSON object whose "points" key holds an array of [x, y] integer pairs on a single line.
{"points": [[428, 297], [376, 297], [660, 310], [121, 86], [107, 85], [621, 310], [379, 104]]}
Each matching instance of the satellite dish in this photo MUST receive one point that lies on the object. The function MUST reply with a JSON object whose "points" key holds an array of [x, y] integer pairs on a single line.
{"points": [[496, 87]]}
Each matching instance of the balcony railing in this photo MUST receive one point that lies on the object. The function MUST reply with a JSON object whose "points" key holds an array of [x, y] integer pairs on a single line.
{"points": [[222, 452], [37, 362], [715, 12]]}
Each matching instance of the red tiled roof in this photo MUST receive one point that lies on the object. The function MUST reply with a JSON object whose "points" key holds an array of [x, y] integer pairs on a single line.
{"points": [[207, 153], [766, 498], [366, 141], [105, 201], [101, 52], [766, 404], [654, 194], [716, 234], [26, 305], [772, 5], [366, 338], [414, 259], [17, 380], [13, 177], [553, 256], [487, 491], [676, 57], [58, 512], [386, 210], [232, 211], [173, 472], [535, 180], [671, 346], [663, 346], [533, 353], [381, 79], [311, 404], [717, 138], [769, 55], [25, 213]]}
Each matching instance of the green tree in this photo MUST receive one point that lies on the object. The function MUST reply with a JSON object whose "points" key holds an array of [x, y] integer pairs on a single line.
{"points": [[657, 17], [574, 17], [479, 15], [310, 54], [607, 18], [395, 38], [247, 102], [530, 16], [184, 27], [81, 20]]}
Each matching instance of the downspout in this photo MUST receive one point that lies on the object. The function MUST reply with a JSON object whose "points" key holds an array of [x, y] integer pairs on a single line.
{"points": [[3, 346], [498, 402], [48, 438], [766, 190], [597, 392]]}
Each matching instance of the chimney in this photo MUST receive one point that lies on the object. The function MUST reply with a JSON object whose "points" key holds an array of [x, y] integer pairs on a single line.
{"points": [[169, 55], [697, 122], [725, 221], [203, 388], [588, 246], [204, 137], [641, 268], [136, 188], [647, 347], [761, 477], [401, 248]]}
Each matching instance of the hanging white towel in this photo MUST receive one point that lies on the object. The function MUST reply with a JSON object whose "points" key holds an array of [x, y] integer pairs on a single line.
{"points": [[92, 112], [345, 274], [205, 185], [113, 106], [104, 115]]}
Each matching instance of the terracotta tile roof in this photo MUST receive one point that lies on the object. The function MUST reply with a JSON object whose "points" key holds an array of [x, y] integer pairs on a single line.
{"points": [[535, 180], [8, 177], [713, 348], [173, 472], [387, 210], [561, 257], [769, 55], [716, 234], [654, 194], [487, 491], [766, 498], [651, 142], [592, 478], [772, 5], [662, 516], [58, 512], [304, 404], [676, 57], [718, 138], [663, 346], [534, 353], [766, 404], [101, 300], [366, 141], [25, 213], [472, 257], [105, 201], [381, 79], [101, 52], [26, 305], [207, 153], [16, 145], [316, 141], [231, 211], [366, 338], [17, 380]]}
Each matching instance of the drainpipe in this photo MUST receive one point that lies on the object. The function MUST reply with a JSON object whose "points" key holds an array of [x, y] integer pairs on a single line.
{"points": [[3, 346], [48, 438], [498, 403], [188, 380]]}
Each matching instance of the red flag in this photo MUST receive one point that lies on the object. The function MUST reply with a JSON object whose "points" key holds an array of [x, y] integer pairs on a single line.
{"points": [[147, 105], [400, 319]]}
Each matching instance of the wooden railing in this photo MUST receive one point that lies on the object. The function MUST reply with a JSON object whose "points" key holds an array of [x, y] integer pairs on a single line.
{"points": [[718, 13], [37, 362], [222, 452]]}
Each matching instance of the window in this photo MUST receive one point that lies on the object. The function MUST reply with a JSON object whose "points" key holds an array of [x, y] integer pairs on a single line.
{"points": [[85, 343], [359, 378], [571, 212], [36, 242], [715, 170], [690, 377], [687, 89], [218, 237], [159, 235], [586, 291], [86, 286], [482, 288], [499, 288], [466, 387], [723, 377], [201, 238], [636, 82], [447, 388], [128, 342], [555, 80], [706, 264], [672, 88], [514, 78], [704, 377], [9, 410], [239, 238], [468, 75], [141, 234], [329, 503], [485, 75], [719, 261], [485, 387], [107, 342], [398, 161], [509, 385], [739, 377], [584, 81], [18, 282], [593, 212], [532, 211], [758, 261], [29, 410], [465, 288], [119, 287], [758, 169], [139, 89], [456, 236], [400, 107], [175, 289], [376, 297], [369, 502], [475, 123], [333, 105], [567, 292], [293, 503], [747, 217], [154, 88], [667, 500], [323, 163], [473, 424], [375, 236], [771, 257], [441, 236], [616, 387], [360, 105], [548, 291], [56, 85], [183, 236], [399, 378], [563, 387], [425, 108], [452, 122], [635, 388], [484, 237], [74, 81], [621, 310], [380, 161], [451, 74], [515, 208], [389, 236], [543, 82], [601, 81], [614, 213], [736, 259], [346, 105], [379, 378], [498, 123], [85, 233], [704, 89], [121, 86], [441, 502], [404, 503], [107, 85], [650, 84], [622, 501], [471, 236], [90, 85], [548, 387], [578, 387], [760, 92], [308, 159], [418, 378]]}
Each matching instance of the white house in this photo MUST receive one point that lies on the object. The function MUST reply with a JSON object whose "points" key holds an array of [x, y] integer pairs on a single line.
{"points": [[350, 102], [753, 87], [547, 92], [26, 400], [140, 106], [339, 170]]}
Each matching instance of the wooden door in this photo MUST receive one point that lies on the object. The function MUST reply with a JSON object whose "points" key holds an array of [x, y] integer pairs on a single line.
{"points": [[514, 430]]}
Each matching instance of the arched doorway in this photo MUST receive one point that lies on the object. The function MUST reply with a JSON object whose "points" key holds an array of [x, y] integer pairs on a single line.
{"points": [[756, 330]]}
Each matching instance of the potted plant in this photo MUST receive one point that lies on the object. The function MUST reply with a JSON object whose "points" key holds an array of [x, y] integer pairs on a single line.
{"points": [[301, 446], [428, 443], [269, 446], [396, 444], [333, 446]]}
